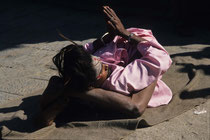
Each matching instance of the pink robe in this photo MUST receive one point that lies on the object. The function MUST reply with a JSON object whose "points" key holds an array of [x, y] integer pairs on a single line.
{"points": [[132, 72]]}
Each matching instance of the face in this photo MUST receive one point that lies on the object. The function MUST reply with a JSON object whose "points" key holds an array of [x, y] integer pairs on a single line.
{"points": [[97, 64], [102, 76], [102, 71]]}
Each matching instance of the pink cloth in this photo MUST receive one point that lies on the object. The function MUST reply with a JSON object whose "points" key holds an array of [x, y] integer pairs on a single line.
{"points": [[136, 67]]}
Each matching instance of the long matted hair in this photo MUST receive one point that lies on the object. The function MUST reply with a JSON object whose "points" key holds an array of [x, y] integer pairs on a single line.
{"points": [[75, 67]]}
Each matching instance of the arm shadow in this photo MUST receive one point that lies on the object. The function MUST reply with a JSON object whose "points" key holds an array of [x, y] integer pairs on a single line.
{"points": [[202, 93], [205, 53]]}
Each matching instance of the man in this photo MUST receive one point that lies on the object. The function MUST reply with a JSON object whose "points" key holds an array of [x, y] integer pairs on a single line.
{"points": [[124, 73]]}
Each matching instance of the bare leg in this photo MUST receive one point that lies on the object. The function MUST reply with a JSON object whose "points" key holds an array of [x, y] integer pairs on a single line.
{"points": [[52, 102], [52, 91], [48, 115]]}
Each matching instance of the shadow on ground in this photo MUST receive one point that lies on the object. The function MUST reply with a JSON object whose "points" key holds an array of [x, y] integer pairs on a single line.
{"points": [[205, 53], [77, 110], [17, 122], [28, 21], [199, 55]]}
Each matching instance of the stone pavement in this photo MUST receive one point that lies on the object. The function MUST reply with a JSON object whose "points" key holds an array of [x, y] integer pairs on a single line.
{"points": [[27, 68], [24, 70], [28, 41]]}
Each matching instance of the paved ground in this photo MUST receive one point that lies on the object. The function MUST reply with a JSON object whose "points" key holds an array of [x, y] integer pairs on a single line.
{"points": [[28, 40]]}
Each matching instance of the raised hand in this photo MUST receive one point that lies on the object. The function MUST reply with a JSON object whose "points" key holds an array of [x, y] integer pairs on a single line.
{"points": [[114, 24]]}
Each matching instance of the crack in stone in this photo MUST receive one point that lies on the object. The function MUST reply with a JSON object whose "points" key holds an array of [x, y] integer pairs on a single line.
{"points": [[11, 93], [38, 79]]}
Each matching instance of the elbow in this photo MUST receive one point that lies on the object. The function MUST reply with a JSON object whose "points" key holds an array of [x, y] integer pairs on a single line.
{"points": [[138, 110]]}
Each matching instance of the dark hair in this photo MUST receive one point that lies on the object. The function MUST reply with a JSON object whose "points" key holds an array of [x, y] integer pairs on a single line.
{"points": [[74, 65]]}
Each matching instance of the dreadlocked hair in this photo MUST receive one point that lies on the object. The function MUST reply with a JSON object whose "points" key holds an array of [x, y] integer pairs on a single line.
{"points": [[75, 67]]}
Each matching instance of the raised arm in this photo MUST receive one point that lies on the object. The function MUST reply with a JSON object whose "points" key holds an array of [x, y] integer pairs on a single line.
{"points": [[118, 28], [106, 38], [114, 27]]}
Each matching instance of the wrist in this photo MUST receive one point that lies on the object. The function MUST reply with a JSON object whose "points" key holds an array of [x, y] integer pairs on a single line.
{"points": [[125, 34]]}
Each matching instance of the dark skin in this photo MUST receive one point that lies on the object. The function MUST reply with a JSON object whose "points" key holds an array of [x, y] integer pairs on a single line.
{"points": [[133, 105], [114, 27]]}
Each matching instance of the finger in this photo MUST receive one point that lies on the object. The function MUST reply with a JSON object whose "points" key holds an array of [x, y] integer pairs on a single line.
{"points": [[106, 17], [112, 11], [107, 14], [111, 17], [112, 25], [113, 20], [108, 11], [108, 8]]}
